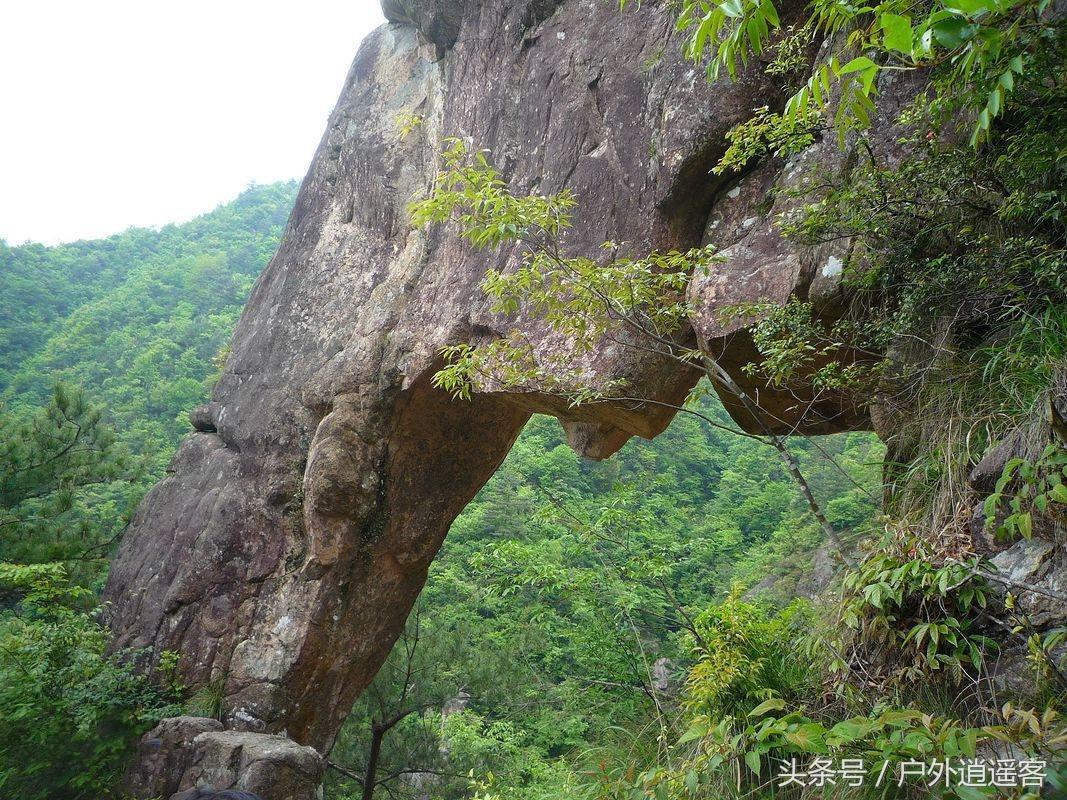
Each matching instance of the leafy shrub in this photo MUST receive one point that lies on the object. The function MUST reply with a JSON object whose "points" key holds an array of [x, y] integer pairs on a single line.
{"points": [[885, 736], [745, 656], [1038, 486], [916, 609], [522, 772], [68, 711], [733, 746]]}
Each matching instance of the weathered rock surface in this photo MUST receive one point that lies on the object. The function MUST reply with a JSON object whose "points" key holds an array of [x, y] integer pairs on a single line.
{"points": [[284, 552], [1034, 570], [163, 755], [183, 754], [760, 262], [268, 766]]}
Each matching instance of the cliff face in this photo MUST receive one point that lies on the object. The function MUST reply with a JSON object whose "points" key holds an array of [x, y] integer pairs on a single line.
{"points": [[287, 546]]}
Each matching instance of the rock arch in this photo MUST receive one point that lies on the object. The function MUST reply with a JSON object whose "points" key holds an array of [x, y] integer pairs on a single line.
{"points": [[283, 551]]}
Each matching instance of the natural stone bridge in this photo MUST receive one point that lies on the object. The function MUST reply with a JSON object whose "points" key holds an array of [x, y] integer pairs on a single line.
{"points": [[292, 535]]}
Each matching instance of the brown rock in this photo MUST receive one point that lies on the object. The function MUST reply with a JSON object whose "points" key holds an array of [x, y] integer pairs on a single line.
{"points": [[285, 550], [163, 755], [268, 766]]}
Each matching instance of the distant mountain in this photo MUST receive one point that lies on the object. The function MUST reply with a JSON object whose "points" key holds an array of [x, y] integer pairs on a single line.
{"points": [[138, 318]]}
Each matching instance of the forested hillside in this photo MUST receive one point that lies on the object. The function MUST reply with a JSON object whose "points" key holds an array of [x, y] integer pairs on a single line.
{"points": [[555, 617], [136, 322], [136, 319]]}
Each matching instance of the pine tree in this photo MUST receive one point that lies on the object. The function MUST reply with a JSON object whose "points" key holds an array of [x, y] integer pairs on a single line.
{"points": [[48, 459]]}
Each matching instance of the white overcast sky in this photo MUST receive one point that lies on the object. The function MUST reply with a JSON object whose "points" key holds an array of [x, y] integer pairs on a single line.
{"points": [[142, 112]]}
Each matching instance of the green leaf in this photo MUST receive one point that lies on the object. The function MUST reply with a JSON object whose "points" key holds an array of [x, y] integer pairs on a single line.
{"points": [[698, 730], [899, 718], [732, 8], [770, 13], [993, 103], [774, 704], [971, 8], [867, 76], [755, 33], [692, 783], [848, 731], [857, 64], [897, 32], [989, 509], [752, 759], [808, 738], [1025, 524], [953, 31]]}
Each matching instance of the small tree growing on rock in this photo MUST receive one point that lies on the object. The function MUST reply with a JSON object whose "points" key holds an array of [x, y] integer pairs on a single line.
{"points": [[635, 303]]}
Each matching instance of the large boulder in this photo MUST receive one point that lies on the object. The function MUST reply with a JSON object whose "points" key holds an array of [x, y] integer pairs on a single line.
{"points": [[264, 765], [183, 755], [163, 755]]}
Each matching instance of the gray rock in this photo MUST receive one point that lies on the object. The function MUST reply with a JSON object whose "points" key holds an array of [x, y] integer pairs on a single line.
{"points": [[286, 548], [1024, 560], [437, 20], [1036, 568], [455, 705], [202, 418], [163, 755], [663, 680], [269, 766]]}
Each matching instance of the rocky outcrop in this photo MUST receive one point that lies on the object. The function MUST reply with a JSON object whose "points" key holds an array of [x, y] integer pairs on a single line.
{"points": [[185, 754], [283, 552], [268, 766], [163, 755]]}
